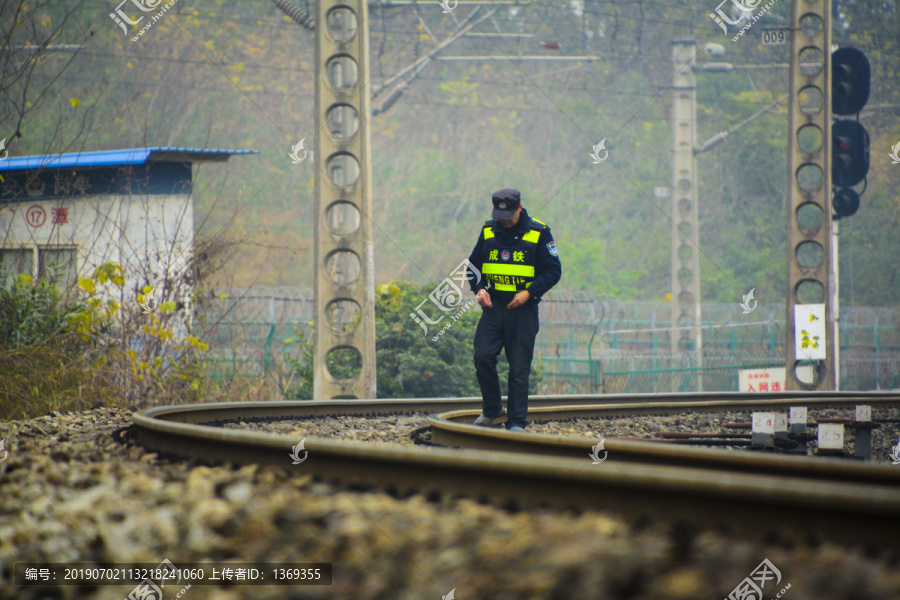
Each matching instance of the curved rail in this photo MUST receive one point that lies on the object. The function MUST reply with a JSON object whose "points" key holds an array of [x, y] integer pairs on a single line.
{"points": [[748, 493], [452, 429]]}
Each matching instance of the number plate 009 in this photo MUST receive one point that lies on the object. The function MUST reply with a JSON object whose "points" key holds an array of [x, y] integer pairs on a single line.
{"points": [[775, 37]]}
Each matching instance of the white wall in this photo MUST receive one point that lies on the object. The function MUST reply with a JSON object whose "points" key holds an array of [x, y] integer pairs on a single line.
{"points": [[151, 236]]}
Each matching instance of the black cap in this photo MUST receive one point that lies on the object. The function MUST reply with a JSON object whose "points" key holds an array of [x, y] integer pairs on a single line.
{"points": [[506, 203]]}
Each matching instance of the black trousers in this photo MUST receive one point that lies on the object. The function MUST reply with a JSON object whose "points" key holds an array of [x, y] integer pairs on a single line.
{"points": [[515, 331]]}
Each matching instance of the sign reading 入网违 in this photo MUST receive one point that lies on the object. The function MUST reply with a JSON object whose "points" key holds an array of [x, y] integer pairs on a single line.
{"points": [[447, 297], [762, 380], [769, 379]]}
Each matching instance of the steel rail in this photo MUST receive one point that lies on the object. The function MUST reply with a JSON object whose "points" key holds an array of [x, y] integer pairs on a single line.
{"points": [[452, 429], [629, 404], [748, 494], [216, 411]]}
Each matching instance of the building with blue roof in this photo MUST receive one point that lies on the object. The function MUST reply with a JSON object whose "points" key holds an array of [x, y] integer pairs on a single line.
{"points": [[77, 211]]}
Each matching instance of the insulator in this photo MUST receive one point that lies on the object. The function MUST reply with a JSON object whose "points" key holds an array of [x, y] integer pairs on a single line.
{"points": [[296, 13]]}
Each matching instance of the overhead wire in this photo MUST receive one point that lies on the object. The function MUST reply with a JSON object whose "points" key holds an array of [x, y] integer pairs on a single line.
{"points": [[286, 24], [243, 64], [589, 8], [510, 83]]}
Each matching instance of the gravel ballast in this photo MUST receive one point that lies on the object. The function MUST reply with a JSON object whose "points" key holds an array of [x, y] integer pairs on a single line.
{"points": [[397, 429], [69, 492]]}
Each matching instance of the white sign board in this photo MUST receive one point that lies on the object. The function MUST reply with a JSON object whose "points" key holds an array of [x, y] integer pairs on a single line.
{"points": [[863, 412], [661, 191], [763, 422], [809, 331], [761, 380], [781, 425], [798, 414], [831, 436]]}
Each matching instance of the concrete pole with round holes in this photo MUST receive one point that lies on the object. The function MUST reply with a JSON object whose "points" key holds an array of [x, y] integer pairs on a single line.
{"points": [[687, 341], [345, 278], [810, 273]]}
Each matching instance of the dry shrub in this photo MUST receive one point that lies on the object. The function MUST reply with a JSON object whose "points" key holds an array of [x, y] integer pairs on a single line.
{"points": [[55, 375]]}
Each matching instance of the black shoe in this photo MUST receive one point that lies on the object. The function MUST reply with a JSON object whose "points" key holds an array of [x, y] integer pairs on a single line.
{"points": [[483, 420]]}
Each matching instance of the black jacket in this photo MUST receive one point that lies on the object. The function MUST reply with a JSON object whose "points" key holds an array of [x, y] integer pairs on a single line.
{"points": [[547, 268]]}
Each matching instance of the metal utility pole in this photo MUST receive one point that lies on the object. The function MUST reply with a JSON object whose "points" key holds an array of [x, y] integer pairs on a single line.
{"points": [[810, 274], [686, 323], [345, 265]]}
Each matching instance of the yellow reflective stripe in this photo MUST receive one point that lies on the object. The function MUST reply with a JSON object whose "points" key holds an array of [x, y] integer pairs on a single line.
{"points": [[514, 270], [538, 222], [503, 287], [532, 236]]}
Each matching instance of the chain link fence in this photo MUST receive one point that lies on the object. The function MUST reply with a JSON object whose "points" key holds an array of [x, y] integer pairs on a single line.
{"points": [[588, 343], [245, 328], [601, 345]]}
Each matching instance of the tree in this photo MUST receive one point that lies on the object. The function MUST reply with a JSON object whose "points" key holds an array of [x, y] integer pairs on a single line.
{"points": [[39, 42]]}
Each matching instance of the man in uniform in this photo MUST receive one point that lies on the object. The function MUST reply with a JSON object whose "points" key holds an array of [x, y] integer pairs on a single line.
{"points": [[519, 263]]}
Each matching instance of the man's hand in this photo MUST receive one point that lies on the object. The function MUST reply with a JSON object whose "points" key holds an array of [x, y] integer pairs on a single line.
{"points": [[519, 299], [484, 299]]}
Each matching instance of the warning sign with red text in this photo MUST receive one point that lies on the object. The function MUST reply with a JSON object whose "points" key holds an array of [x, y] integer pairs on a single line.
{"points": [[762, 380]]}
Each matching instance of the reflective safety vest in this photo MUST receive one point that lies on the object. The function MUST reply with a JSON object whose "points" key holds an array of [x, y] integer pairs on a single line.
{"points": [[510, 267]]}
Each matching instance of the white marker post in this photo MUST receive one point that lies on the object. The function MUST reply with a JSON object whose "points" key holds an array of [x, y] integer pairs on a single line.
{"points": [[781, 426], [831, 438], [863, 427], [797, 420], [863, 412], [763, 432]]}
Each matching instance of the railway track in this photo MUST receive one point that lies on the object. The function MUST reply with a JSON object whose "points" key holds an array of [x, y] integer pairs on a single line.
{"points": [[747, 494]]}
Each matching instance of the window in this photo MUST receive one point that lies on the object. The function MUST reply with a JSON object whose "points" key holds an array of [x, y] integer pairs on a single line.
{"points": [[14, 261], [61, 261]]}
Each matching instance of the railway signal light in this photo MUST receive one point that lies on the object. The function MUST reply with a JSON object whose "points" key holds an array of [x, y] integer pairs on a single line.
{"points": [[845, 203], [849, 153], [850, 75]]}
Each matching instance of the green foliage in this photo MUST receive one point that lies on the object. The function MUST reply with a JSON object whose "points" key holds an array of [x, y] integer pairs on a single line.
{"points": [[298, 356], [410, 363], [96, 317], [46, 363], [414, 364], [67, 353], [31, 312]]}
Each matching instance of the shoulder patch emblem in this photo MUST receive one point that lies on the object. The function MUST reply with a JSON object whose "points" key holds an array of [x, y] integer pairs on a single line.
{"points": [[552, 248]]}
